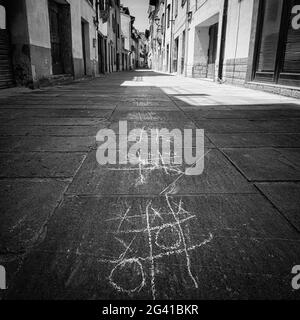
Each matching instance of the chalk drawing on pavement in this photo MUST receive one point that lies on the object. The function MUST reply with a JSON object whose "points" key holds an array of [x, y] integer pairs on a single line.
{"points": [[165, 232]]}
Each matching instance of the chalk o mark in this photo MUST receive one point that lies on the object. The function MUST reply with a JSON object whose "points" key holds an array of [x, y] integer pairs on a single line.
{"points": [[168, 237], [133, 266]]}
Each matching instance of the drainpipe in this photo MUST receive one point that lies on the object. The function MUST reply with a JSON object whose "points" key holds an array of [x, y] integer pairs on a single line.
{"points": [[97, 13], [171, 41], [186, 37], [223, 40]]}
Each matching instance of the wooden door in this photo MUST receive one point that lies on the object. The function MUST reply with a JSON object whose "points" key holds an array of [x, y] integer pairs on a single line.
{"points": [[57, 65], [101, 54], [83, 46]]}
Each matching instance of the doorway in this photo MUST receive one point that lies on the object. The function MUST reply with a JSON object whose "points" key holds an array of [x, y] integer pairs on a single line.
{"points": [[118, 61], [85, 35], [167, 57], [175, 57], [60, 37], [183, 52], [212, 50], [101, 54], [56, 44]]}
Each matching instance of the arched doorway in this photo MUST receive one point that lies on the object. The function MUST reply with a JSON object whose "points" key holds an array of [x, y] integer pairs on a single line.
{"points": [[6, 75]]}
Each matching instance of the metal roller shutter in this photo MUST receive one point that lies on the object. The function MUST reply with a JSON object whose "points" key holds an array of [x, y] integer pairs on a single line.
{"points": [[6, 75]]}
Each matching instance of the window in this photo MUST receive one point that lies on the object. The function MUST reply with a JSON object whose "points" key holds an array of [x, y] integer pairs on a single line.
{"points": [[269, 35], [176, 8], [175, 55], [163, 23], [278, 42], [183, 52], [291, 62], [113, 23], [169, 15], [167, 57]]}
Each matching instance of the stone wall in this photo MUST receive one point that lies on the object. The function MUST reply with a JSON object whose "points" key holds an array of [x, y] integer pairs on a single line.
{"points": [[200, 70], [235, 71]]}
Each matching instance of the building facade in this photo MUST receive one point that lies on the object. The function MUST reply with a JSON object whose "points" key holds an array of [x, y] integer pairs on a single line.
{"points": [[135, 48], [255, 43], [143, 50], [126, 29], [52, 41], [114, 37], [47, 40]]}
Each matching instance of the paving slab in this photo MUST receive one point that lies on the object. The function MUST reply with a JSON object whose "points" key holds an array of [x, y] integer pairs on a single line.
{"points": [[219, 176], [26, 206], [133, 108], [10, 113], [9, 144], [56, 144], [246, 126], [49, 105], [285, 196], [252, 140], [39, 101], [163, 135], [59, 131], [83, 277], [137, 242], [221, 284], [273, 126], [57, 121], [266, 164], [172, 116], [162, 105], [128, 96], [40, 165], [264, 114], [227, 126], [149, 125], [90, 225], [47, 144], [151, 136], [204, 107], [55, 113]]}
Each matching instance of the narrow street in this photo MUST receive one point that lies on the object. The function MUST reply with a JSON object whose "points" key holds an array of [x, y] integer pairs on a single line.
{"points": [[73, 229]]}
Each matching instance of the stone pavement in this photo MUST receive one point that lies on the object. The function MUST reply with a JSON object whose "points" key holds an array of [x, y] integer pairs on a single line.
{"points": [[71, 228]]}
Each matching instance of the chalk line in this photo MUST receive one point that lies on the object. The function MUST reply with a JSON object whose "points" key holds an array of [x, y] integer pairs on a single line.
{"points": [[152, 268], [188, 260]]}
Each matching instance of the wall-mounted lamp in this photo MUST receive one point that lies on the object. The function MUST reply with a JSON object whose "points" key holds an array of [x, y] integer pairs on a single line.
{"points": [[96, 22], [190, 16]]}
